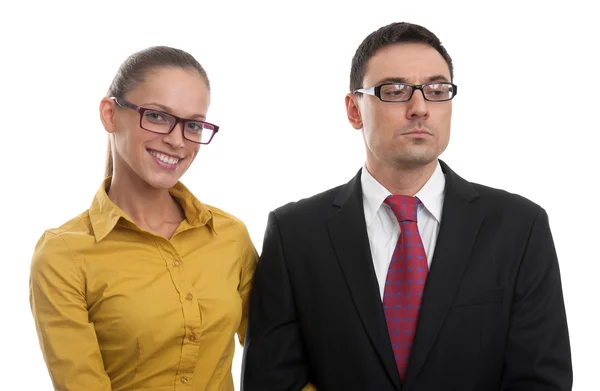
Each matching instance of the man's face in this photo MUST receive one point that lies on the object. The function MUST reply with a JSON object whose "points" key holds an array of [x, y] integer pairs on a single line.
{"points": [[403, 134]]}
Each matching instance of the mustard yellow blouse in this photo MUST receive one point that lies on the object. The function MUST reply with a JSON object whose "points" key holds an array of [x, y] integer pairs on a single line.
{"points": [[117, 308]]}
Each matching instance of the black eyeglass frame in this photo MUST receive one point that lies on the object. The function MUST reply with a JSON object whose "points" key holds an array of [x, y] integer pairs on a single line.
{"points": [[376, 91]]}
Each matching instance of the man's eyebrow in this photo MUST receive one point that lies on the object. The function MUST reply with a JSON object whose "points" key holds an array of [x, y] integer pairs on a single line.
{"points": [[392, 80], [437, 78], [404, 80]]}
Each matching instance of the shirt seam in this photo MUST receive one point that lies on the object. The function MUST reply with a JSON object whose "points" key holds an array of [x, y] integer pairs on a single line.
{"points": [[75, 259]]}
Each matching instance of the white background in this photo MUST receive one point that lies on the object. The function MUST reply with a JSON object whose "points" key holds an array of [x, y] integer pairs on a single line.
{"points": [[525, 119]]}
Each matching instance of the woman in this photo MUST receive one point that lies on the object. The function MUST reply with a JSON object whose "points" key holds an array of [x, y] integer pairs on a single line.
{"points": [[146, 289]]}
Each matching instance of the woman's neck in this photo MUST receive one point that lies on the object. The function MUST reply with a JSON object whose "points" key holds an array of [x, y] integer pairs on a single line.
{"points": [[150, 208]]}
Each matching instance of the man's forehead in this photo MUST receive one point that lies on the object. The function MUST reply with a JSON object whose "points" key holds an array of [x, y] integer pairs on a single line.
{"points": [[406, 62]]}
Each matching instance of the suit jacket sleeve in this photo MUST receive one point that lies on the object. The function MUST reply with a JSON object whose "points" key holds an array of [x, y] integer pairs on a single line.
{"points": [[274, 357], [538, 356]]}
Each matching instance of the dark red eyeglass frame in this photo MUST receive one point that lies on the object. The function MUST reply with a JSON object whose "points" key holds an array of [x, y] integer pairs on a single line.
{"points": [[141, 110]]}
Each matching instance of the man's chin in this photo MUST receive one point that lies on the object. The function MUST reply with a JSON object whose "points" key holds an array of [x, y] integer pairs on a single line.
{"points": [[415, 160]]}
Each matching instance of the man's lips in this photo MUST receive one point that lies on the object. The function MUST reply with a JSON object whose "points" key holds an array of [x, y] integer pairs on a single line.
{"points": [[418, 132]]}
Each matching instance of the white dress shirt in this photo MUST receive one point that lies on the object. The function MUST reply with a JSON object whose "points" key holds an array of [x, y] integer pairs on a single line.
{"points": [[383, 228]]}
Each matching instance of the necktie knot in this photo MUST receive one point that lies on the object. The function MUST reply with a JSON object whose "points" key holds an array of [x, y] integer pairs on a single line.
{"points": [[404, 207]]}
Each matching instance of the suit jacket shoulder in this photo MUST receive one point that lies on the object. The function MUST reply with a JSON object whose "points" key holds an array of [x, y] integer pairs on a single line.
{"points": [[309, 207], [496, 201], [501, 203]]}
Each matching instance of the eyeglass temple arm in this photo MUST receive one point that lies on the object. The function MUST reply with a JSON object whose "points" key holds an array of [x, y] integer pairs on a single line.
{"points": [[370, 90], [122, 103]]}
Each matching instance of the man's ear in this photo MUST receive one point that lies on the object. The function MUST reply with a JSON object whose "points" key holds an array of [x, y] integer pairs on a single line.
{"points": [[353, 111]]}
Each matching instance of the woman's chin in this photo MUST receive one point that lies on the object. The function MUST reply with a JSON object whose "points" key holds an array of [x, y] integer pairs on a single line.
{"points": [[162, 180]]}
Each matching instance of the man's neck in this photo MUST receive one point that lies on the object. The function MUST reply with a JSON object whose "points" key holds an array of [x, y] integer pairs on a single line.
{"points": [[401, 180]]}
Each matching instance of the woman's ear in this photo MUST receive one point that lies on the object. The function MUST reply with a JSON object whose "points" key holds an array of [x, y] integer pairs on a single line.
{"points": [[107, 114]]}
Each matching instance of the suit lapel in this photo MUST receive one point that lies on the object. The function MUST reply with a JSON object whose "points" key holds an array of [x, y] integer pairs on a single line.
{"points": [[461, 219], [348, 233]]}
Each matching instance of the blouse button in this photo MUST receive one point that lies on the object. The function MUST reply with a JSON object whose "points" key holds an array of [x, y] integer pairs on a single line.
{"points": [[175, 263], [189, 297], [184, 379]]}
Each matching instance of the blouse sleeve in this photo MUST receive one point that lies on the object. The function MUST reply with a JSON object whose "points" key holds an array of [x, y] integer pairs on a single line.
{"points": [[58, 303], [249, 259]]}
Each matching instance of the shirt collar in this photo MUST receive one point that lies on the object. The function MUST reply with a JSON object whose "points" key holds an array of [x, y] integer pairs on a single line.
{"points": [[105, 214], [431, 194]]}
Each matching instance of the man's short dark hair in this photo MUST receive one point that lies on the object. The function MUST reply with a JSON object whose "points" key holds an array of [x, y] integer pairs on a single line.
{"points": [[400, 32]]}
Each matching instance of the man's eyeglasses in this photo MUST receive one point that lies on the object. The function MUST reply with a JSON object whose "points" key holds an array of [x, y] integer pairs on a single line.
{"points": [[402, 92], [157, 121]]}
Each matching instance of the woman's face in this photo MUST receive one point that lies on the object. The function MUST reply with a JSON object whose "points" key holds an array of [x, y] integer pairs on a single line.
{"points": [[157, 159]]}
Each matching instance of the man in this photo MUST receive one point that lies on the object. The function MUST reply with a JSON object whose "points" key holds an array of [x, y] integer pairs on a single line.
{"points": [[408, 277]]}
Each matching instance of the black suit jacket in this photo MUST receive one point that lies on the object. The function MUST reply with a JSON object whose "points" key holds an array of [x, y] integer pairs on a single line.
{"points": [[492, 316]]}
